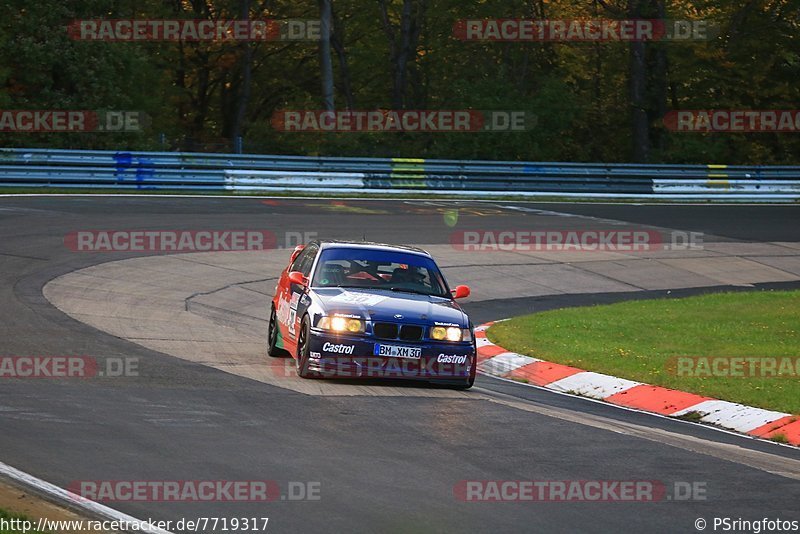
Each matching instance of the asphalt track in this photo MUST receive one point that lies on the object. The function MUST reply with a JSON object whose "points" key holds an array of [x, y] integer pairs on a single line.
{"points": [[385, 464]]}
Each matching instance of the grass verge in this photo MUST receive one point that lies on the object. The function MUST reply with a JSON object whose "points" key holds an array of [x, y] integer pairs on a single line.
{"points": [[643, 341], [6, 517]]}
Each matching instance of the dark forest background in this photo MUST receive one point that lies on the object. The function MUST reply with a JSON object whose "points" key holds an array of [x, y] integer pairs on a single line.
{"points": [[593, 101]]}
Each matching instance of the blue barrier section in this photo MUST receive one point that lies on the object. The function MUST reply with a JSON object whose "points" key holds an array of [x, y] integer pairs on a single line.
{"points": [[42, 168]]}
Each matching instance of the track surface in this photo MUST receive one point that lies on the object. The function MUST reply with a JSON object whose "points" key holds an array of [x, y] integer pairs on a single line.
{"points": [[384, 463]]}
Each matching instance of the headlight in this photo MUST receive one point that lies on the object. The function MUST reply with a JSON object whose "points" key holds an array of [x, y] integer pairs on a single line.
{"points": [[438, 333], [453, 333], [342, 324], [450, 333]]}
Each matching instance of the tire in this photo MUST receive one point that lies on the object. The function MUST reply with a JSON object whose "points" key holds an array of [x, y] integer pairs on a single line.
{"points": [[303, 350], [272, 337], [471, 380]]}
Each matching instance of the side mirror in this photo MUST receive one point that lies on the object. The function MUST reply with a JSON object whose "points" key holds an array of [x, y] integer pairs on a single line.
{"points": [[296, 277], [296, 252], [460, 292]]}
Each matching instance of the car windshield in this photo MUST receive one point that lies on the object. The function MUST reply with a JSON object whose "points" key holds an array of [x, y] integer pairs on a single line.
{"points": [[379, 269]]}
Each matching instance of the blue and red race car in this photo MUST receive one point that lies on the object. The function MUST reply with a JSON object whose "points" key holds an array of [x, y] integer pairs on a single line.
{"points": [[356, 310]]}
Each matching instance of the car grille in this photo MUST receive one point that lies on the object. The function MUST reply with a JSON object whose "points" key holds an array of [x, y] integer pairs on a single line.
{"points": [[410, 332], [385, 330], [406, 332]]}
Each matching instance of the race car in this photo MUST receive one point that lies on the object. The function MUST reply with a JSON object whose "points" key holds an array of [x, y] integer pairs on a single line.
{"points": [[347, 309]]}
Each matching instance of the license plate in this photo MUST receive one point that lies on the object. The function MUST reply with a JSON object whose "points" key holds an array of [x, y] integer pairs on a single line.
{"points": [[397, 351]]}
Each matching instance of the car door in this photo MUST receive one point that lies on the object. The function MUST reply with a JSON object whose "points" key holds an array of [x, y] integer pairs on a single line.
{"points": [[290, 294]]}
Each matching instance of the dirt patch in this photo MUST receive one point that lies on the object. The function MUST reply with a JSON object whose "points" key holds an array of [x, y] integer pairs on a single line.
{"points": [[18, 501]]}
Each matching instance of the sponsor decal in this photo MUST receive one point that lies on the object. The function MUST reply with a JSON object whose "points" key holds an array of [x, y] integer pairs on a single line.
{"points": [[338, 348], [295, 298], [363, 299], [314, 355], [451, 358], [287, 312], [437, 323]]}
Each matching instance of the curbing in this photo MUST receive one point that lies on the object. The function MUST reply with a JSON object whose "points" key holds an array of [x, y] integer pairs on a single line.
{"points": [[496, 361]]}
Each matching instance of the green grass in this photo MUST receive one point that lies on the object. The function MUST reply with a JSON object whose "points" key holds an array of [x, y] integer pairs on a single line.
{"points": [[9, 516], [638, 339], [780, 438]]}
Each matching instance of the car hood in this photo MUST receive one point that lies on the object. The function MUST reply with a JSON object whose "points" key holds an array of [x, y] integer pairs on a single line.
{"points": [[380, 305]]}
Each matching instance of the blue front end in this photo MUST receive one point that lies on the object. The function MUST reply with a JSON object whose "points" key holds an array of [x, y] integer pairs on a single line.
{"points": [[377, 353]]}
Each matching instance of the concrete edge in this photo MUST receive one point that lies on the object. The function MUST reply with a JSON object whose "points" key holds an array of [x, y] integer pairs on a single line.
{"points": [[71, 501]]}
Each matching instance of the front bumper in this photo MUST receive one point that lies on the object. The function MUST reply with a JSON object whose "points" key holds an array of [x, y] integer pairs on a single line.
{"points": [[343, 356]]}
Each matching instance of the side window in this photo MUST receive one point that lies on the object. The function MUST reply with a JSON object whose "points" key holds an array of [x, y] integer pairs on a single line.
{"points": [[308, 259], [298, 261]]}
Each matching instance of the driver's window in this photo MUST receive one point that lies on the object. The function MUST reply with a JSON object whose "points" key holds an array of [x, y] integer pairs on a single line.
{"points": [[308, 256], [295, 266]]}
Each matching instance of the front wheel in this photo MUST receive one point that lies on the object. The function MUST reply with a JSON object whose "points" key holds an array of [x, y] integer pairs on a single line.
{"points": [[471, 380]]}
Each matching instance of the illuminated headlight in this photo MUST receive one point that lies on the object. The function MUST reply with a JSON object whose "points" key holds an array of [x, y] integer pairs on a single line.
{"points": [[342, 324], [450, 333], [453, 333]]}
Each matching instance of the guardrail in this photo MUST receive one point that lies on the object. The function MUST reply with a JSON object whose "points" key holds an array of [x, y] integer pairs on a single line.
{"points": [[42, 168]]}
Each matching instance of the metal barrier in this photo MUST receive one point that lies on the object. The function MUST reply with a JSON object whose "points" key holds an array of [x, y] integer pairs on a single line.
{"points": [[84, 169]]}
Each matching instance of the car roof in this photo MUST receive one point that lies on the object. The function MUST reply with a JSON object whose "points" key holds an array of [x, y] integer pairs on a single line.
{"points": [[331, 243]]}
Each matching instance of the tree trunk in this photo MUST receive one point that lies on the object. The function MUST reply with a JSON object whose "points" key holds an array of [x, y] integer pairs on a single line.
{"points": [[637, 87], [247, 78], [337, 41], [403, 49], [326, 66]]}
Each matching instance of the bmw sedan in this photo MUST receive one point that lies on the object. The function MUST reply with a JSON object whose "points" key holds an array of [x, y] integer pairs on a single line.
{"points": [[358, 310]]}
